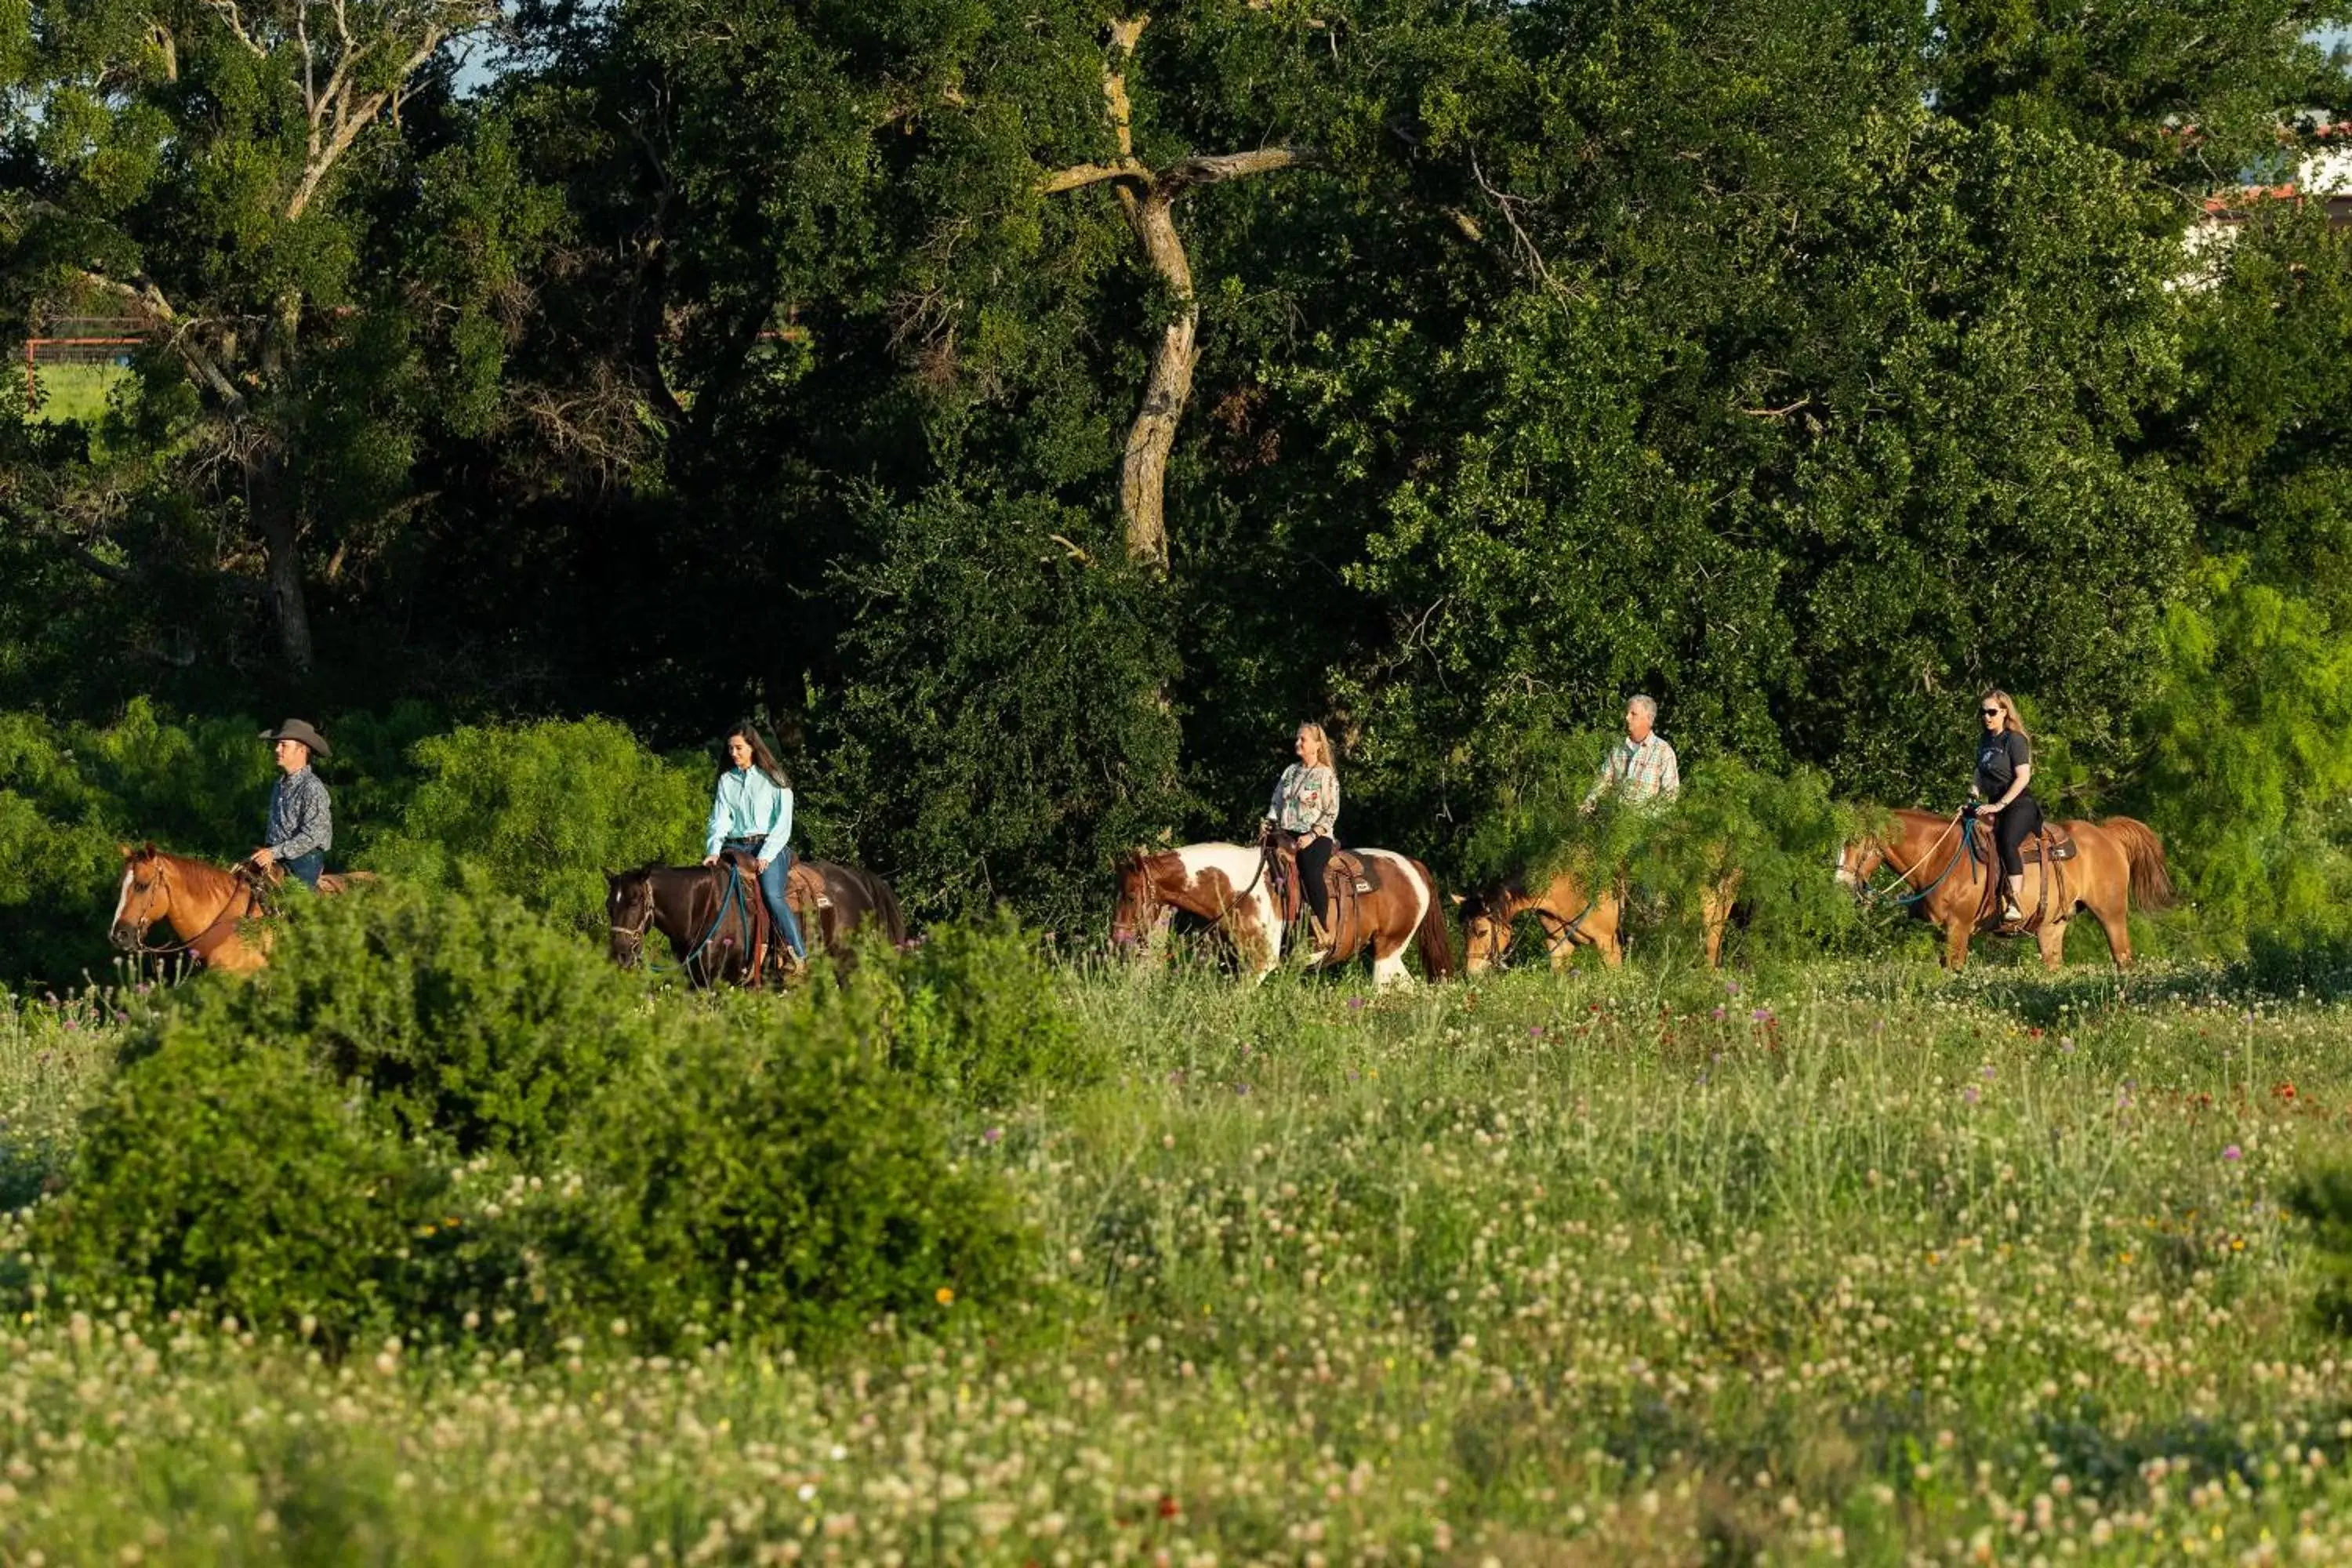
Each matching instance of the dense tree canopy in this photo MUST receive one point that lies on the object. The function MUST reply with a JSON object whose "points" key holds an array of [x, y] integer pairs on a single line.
{"points": [[1037, 409]]}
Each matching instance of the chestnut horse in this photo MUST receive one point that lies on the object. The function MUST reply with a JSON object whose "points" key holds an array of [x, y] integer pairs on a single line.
{"points": [[718, 925], [1228, 884], [209, 910], [1945, 883], [1573, 916]]}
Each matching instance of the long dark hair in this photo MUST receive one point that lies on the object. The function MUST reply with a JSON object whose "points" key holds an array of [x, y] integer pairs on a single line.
{"points": [[762, 758]]}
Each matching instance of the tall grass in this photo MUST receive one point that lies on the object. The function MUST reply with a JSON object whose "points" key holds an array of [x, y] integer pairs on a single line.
{"points": [[1837, 1262]]}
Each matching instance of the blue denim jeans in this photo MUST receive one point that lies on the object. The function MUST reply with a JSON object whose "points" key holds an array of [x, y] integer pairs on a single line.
{"points": [[772, 883], [307, 867]]}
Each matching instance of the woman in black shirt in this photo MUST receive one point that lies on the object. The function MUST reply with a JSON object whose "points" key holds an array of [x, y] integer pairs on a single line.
{"points": [[2004, 770]]}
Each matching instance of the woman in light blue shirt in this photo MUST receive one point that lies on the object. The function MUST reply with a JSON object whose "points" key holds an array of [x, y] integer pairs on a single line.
{"points": [[751, 812]]}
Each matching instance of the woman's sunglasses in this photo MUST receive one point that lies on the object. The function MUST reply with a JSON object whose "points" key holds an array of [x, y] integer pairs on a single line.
{"points": [[1990, 712]]}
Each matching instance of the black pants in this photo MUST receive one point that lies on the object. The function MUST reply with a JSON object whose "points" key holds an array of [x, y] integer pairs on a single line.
{"points": [[1314, 860], [2017, 821]]}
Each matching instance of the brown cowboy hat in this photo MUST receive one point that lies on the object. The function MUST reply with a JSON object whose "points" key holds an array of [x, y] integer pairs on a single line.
{"points": [[296, 730]]}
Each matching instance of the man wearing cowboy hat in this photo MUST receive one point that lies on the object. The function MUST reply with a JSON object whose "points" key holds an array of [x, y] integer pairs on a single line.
{"points": [[301, 823]]}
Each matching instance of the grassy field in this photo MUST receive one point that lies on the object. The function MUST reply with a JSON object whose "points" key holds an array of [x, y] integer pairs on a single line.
{"points": [[1846, 1264], [70, 392]]}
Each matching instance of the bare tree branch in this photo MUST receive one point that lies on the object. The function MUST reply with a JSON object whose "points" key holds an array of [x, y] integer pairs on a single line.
{"points": [[1079, 174], [179, 333]]}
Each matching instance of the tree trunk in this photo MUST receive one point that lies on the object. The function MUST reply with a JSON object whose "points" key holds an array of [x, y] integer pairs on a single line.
{"points": [[1167, 388], [283, 552]]}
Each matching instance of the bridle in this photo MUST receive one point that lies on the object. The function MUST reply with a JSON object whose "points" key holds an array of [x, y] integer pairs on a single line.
{"points": [[230, 909], [1559, 933], [1870, 895]]}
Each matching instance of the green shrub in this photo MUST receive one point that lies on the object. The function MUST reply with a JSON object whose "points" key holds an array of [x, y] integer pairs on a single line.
{"points": [[435, 1112], [69, 792], [979, 1017], [464, 1015], [543, 811], [230, 1176], [784, 1186]]}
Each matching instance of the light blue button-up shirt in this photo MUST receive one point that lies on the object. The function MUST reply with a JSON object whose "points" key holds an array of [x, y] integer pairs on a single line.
{"points": [[750, 804]]}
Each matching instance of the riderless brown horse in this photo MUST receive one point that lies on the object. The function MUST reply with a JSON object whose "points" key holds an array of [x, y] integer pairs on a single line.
{"points": [[717, 926], [1232, 886], [209, 911], [1574, 915], [1946, 881]]}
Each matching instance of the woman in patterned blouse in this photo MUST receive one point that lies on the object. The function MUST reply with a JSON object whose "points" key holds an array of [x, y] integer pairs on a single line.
{"points": [[1306, 808]]}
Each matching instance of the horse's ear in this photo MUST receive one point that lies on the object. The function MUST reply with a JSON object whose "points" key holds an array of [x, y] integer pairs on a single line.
{"points": [[147, 848], [126, 850], [1457, 898]]}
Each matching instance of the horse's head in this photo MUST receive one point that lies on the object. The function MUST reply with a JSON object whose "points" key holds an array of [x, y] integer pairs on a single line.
{"points": [[629, 906], [1485, 928], [1139, 899], [1857, 861], [146, 897]]}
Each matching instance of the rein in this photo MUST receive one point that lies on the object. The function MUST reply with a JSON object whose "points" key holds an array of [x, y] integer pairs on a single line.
{"points": [[730, 897], [141, 948], [1962, 850]]}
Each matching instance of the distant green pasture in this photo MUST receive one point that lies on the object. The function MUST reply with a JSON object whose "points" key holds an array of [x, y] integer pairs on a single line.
{"points": [[71, 391]]}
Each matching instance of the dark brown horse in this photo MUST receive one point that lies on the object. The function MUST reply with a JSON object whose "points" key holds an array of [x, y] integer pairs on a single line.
{"points": [[717, 926], [214, 913], [1943, 881], [833, 901], [1228, 884]]}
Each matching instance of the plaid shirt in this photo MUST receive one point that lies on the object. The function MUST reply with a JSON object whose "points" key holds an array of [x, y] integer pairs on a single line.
{"points": [[1639, 774], [300, 817]]}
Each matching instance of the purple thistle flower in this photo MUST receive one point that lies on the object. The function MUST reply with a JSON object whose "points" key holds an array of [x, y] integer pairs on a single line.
{"points": [[1969, 1094], [992, 1135], [2232, 1153]]}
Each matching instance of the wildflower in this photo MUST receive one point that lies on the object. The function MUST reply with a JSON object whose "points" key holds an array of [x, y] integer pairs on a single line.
{"points": [[1761, 1014], [1987, 1070], [2232, 1153], [944, 1296], [1969, 1094], [1355, 1004], [992, 1135]]}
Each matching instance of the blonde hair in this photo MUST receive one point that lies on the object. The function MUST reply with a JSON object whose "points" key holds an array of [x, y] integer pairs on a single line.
{"points": [[2009, 720], [1314, 732]]}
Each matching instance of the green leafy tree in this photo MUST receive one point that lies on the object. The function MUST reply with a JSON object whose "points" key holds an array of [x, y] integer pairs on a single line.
{"points": [[225, 173]]}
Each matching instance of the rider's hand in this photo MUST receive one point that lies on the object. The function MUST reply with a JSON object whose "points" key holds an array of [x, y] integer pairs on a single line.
{"points": [[710, 859], [1988, 810], [759, 865], [262, 857]]}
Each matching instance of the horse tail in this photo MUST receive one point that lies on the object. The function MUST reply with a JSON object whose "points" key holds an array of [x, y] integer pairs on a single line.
{"points": [[1436, 943], [2151, 882], [885, 908]]}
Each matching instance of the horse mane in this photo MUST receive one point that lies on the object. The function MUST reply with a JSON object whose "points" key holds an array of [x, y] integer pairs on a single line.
{"points": [[203, 878]]}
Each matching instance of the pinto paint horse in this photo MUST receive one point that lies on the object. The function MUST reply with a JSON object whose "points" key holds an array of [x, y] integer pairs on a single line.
{"points": [[1229, 886], [211, 911], [1944, 882]]}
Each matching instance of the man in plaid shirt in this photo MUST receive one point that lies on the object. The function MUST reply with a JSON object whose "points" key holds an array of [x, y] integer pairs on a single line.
{"points": [[1640, 768]]}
